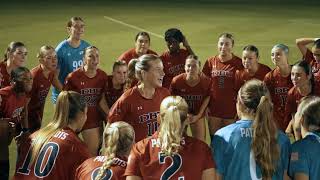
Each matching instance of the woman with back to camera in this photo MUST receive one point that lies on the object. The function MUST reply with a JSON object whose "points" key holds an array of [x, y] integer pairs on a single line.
{"points": [[139, 106], [13, 119], [195, 88], [14, 57], [118, 139], [304, 161], [70, 51], [252, 147], [221, 68], [55, 151], [279, 83], [170, 153]]}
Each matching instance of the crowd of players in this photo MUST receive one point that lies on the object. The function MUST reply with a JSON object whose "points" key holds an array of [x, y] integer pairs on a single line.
{"points": [[133, 123]]}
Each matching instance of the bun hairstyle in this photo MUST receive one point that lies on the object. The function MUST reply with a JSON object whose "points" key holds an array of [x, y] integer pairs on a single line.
{"points": [[311, 113]]}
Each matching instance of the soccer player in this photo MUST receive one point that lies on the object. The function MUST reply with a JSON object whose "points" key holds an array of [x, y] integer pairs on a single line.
{"points": [[70, 51], [195, 88], [118, 139], [252, 68], [304, 161], [174, 58], [12, 113], [91, 83], [221, 68], [279, 82], [44, 75], [140, 105], [116, 82], [311, 56], [142, 45], [169, 153], [303, 85], [55, 151], [252, 147], [15, 56]]}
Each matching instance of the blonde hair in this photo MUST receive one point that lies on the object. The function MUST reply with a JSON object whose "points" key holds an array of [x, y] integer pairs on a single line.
{"points": [[118, 138], [142, 63], [255, 98], [69, 104], [173, 115], [43, 51]]}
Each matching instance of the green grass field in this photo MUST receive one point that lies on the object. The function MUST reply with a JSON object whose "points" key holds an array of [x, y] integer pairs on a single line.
{"points": [[271, 22]]}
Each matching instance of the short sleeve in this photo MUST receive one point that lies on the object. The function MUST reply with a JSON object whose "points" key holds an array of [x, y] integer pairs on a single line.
{"points": [[298, 162], [206, 68], [217, 147], [133, 168]]}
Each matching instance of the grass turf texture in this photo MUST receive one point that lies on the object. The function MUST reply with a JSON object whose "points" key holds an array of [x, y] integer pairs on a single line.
{"points": [[265, 24]]}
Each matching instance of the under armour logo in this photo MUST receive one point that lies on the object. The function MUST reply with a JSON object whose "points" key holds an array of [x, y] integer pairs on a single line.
{"points": [[69, 54], [82, 83], [139, 107]]}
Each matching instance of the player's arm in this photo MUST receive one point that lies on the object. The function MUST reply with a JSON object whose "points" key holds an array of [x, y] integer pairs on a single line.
{"points": [[103, 105], [133, 178], [301, 176], [302, 44], [203, 107], [55, 82], [208, 174], [186, 44]]}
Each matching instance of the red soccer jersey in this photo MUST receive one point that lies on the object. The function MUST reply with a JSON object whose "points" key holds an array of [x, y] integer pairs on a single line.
{"points": [[148, 162], [278, 87], [193, 95], [223, 98], [11, 105], [91, 90], [40, 89], [243, 75], [139, 112], [131, 54], [4, 75], [90, 168], [112, 94], [173, 65], [58, 159], [315, 66]]}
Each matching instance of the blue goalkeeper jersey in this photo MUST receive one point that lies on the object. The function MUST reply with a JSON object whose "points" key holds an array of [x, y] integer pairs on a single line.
{"points": [[69, 59], [305, 157], [231, 149]]}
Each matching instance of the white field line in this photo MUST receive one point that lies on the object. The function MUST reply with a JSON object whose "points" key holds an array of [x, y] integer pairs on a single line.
{"points": [[194, 45], [132, 26]]}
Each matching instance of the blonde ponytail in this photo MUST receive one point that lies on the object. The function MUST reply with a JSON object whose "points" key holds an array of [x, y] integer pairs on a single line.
{"points": [[173, 113]]}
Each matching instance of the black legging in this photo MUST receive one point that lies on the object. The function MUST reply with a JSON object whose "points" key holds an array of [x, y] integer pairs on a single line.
{"points": [[4, 169]]}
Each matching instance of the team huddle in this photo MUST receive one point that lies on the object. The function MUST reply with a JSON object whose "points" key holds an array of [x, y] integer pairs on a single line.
{"points": [[133, 123]]}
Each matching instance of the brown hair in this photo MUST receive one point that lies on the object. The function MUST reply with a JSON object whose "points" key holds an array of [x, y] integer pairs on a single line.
{"points": [[254, 98]]}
